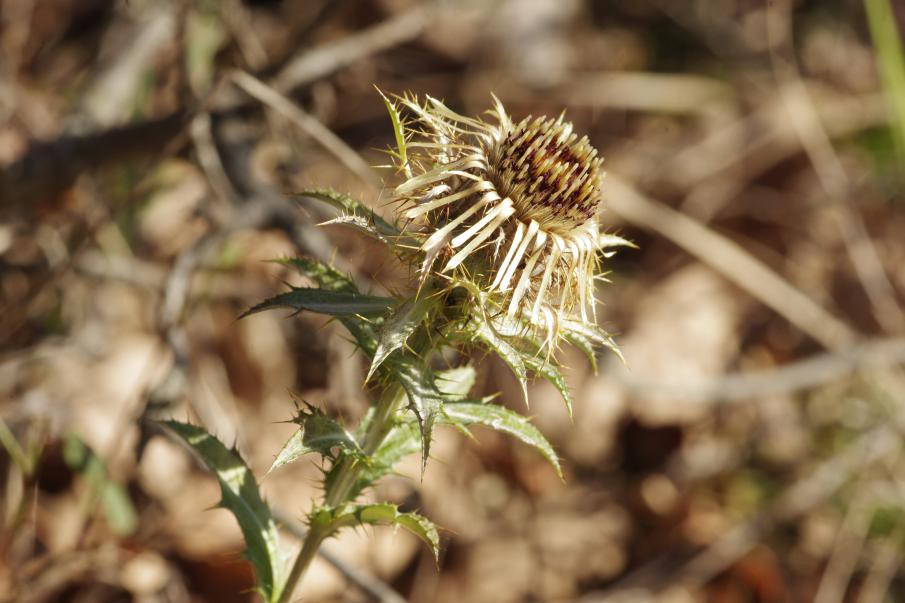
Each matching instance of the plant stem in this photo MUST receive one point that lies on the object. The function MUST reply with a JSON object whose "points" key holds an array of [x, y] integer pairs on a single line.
{"points": [[339, 490], [309, 551], [384, 415]]}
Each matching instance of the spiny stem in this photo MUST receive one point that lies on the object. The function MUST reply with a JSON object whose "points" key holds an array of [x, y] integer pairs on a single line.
{"points": [[347, 474]]}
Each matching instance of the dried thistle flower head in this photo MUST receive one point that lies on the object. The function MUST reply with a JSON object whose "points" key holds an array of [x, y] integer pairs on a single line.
{"points": [[508, 206]]}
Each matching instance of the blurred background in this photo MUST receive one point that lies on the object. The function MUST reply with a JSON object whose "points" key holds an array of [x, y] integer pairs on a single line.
{"points": [[749, 451]]}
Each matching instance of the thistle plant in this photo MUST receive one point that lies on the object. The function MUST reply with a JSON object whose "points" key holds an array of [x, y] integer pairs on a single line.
{"points": [[496, 221]]}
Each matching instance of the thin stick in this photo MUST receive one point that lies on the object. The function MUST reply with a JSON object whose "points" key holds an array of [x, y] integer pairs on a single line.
{"points": [[796, 376], [311, 65], [798, 499], [836, 184], [308, 124], [887, 562], [844, 558], [730, 260]]}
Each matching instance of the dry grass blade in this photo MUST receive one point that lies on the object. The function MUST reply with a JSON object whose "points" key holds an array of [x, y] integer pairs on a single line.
{"points": [[796, 376], [844, 558], [886, 563], [308, 124], [836, 184], [311, 65], [804, 495], [732, 262]]}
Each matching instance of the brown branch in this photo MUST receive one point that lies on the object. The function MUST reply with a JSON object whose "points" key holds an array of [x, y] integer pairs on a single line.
{"points": [[50, 167]]}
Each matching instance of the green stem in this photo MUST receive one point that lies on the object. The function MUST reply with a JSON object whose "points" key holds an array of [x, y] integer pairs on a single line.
{"points": [[384, 418], [309, 551], [340, 489]]}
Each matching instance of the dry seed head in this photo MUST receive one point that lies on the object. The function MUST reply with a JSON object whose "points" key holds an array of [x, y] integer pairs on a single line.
{"points": [[550, 177], [510, 207]]}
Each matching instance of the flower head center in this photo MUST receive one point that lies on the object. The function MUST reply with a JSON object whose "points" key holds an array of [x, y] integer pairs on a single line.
{"points": [[550, 175]]}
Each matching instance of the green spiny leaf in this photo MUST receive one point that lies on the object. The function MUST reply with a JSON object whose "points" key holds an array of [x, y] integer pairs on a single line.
{"points": [[549, 371], [359, 223], [404, 439], [351, 207], [326, 276], [455, 383], [241, 496], [325, 301], [317, 433], [506, 421], [424, 398], [292, 450], [511, 355], [399, 131], [585, 345], [397, 328], [386, 513], [575, 331], [322, 434], [331, 279], [364, 334]]}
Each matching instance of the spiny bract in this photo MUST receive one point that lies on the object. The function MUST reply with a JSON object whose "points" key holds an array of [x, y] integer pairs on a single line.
{"points": [[510, 207]]}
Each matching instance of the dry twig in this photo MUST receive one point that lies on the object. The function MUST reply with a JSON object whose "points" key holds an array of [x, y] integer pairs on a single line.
{"points": [[730, 260], [789, 378], [798, 499], [308, 124]]}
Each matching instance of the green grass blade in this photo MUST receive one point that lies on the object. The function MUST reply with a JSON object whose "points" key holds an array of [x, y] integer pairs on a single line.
{"points": [[890, 63]]}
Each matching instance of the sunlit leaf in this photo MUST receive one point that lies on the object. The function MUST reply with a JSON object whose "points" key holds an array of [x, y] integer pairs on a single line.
{"points": [[317, 433], [322, 434], [423, 397], [397, 328], [292, 450], [455, 383], [351, 207], [325, 301], [240, 496], [360, 224], [388, 514], [549, 371], [584, 344], [399, 132], [326, 276], [506, 421], [605, 241], [575, 330], [511, 355]]}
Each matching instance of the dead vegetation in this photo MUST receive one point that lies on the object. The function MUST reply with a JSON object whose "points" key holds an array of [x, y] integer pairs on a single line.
{"points": [[749, 451]]}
